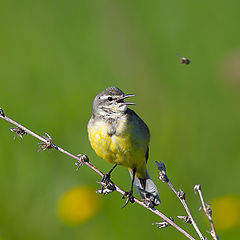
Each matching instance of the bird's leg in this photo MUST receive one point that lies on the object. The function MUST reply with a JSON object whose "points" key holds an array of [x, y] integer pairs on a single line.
{"points": [[129, 194], [106, 178]]}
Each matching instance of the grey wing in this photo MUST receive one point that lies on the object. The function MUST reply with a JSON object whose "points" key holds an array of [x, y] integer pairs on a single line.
{"points": [[142, 128], [147, 154], [140, 124]]}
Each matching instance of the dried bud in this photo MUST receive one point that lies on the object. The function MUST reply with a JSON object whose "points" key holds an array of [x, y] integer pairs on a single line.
{"points": [[162, 175], [82, 159], [2, 113], [19, 131], [163, 224], [48, 144], [213, 234], [161, 166], [208, 210], [186, 219], [148, 202], [181, 195]]}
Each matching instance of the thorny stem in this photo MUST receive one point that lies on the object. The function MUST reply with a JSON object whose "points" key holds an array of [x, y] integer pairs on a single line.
{"points": [[20, 126], [207, 210], [180, 195], [182, 199], [94, 168]]}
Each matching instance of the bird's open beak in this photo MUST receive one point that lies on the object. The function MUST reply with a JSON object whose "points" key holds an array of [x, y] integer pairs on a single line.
{"points": [[121, 99]]}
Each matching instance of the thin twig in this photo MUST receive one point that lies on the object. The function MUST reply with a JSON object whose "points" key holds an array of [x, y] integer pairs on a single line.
{"points": [[181, 196], [208, 211], [3, 116], [83, 159]]}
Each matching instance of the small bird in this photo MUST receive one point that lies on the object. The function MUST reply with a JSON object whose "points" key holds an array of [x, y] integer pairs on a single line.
{"points": [[184, 60], [119, 136]]}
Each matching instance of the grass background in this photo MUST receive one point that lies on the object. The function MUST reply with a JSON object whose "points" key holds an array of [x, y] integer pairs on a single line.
{"points": [[55, 56]]}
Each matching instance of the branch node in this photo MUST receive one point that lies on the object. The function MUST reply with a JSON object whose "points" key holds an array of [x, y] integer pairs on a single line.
{"points": [[163, 224], [19, 131], [186, 219], [48, 144], [83, 158], [162, 175], [208, 210], [1, 112], [148, 202], [181, 195], [211, 232]]}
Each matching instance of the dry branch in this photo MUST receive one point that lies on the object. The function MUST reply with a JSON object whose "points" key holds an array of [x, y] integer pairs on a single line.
{"points": [[181, 196], [208, 211], [82, 159]]}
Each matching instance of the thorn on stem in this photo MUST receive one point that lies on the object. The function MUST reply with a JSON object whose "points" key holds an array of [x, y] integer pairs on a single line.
{"points": [[186, 219], [1, 112], [208, 210], [181, 195], [212, 234], [163, 224], [19, 131], [47, 145], [82, 159]]}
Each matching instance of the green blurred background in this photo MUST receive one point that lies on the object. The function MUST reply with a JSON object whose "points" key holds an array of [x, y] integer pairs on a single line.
{"points": [[55, 56]]}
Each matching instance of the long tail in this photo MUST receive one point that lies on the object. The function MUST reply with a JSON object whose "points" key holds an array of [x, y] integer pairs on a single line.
{"points": [[147, 189]]}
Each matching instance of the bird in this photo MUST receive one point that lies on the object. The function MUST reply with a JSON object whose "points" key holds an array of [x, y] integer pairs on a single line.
{"points": [[119, 136]]}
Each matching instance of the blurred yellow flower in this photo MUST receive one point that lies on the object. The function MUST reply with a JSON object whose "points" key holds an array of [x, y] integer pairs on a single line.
{"points": [[226, 212], [78, 205]]}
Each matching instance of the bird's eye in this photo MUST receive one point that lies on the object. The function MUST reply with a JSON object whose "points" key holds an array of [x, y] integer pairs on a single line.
{"points": [[110, 98]]}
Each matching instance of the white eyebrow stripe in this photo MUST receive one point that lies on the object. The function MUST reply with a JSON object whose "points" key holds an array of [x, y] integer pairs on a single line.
{"points": [[105, 97]]}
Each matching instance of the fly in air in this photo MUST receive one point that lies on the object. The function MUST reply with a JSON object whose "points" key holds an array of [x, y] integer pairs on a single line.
{"points": [[184, 60]]}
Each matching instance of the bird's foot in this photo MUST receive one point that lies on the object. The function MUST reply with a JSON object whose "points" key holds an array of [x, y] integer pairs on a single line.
{"points": [[107, 183], [130, 198]]}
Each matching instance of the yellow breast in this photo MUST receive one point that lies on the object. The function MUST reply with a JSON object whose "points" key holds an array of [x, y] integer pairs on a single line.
{"points": [[126, 147]]}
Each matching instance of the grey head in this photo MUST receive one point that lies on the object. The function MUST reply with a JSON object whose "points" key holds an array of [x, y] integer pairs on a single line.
{"points": [[110, 103]]}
